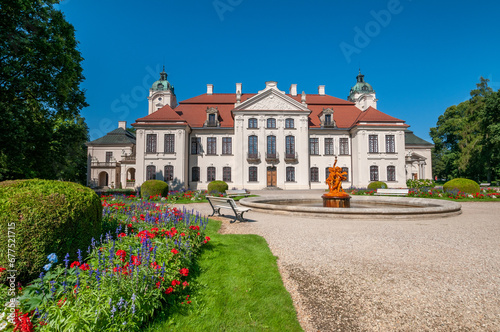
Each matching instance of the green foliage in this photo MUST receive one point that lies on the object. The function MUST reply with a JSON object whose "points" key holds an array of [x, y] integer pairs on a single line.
{"points": [[40, 96], [223, 290], [43, 217], [377, 185], [420, 183], [153, 188], [217, 186], [462, 185], [467, 137]]}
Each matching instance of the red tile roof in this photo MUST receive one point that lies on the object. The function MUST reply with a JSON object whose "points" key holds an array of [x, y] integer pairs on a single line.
{"points": [[193, 111]]}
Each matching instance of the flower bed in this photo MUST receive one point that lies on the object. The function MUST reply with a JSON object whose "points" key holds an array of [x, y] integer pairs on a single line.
{"points": [[128, 275], [485, 194]]}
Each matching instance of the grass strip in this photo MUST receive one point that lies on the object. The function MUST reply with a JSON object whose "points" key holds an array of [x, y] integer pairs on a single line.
{"points": [[235, 286]]}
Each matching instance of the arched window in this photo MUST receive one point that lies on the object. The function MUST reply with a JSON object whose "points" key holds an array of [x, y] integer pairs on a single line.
{"points": [[314, 174], [169, 173], [252, 123], [290, 146], [290, 174], [252, 173], [195, 174], [271, 123], [271, 146], [252, 146], [391, 173], [289, 123], [346, 170], [210, 173], [151, 172], [226, 174]]}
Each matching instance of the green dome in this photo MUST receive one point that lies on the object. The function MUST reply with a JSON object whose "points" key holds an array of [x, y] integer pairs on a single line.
{"points": [[361, 86], [162, 83]]}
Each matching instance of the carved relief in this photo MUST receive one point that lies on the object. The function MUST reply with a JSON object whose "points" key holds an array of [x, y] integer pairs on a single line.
{"points": [[272, 103]]}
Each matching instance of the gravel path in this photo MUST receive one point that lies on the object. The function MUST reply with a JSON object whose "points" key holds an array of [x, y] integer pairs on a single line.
{"points": [[438, 274]]}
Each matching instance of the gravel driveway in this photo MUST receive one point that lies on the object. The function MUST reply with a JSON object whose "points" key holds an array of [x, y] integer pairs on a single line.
{"points": [[438, 274]]}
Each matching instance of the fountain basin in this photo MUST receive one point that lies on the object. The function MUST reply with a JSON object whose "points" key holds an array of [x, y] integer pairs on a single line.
{"points": [[371, 207]]}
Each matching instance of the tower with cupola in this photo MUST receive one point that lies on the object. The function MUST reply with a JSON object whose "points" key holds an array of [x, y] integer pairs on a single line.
{"points": [[161, 94], [362, 94]]}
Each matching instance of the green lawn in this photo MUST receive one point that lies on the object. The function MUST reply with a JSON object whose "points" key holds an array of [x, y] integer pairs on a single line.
{"points": [[235, 286]]}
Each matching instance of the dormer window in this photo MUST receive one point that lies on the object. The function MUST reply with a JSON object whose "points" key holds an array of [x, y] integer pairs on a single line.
{"points": [[326, 118], [212, 117]]}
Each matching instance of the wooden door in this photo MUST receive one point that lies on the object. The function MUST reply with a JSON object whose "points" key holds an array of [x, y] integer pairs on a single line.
{"points": [[271, 176]]}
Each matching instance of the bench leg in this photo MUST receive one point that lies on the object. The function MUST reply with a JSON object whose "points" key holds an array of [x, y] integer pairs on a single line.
{"points": [[239, 216], [215, 210]]}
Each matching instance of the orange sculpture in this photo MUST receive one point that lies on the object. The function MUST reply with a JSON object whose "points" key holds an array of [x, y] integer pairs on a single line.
{"points": [[334, 181]]}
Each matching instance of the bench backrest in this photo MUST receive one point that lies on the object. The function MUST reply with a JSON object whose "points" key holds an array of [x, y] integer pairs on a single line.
{"points": [[222, 201], [393, 191]]}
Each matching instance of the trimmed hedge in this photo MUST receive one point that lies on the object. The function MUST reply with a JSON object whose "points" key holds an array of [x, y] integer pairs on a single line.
{"points": [[217, 186], [377, 185], [44, 217], [463, 185], [153, 188]]}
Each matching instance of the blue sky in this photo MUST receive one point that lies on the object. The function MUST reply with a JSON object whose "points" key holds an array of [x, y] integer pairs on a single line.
{"points": [[420, 56]]}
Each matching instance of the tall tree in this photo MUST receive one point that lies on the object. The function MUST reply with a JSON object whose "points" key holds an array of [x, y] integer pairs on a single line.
{"points": [[40, 96], [466, 136]]}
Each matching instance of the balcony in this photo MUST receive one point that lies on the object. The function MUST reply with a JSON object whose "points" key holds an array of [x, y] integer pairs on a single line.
{"points": [[272, 157], [128, 159], [213, 123], [103, 164], [253, 157], [291, 157]]}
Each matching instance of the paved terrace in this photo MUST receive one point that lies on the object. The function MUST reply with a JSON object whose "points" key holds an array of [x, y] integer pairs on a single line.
{"points": [[440, 274]]}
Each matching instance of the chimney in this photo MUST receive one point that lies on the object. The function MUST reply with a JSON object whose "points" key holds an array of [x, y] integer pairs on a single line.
{"points": [[321, 90], [293, 90], [122, 124], [210, 89], [238, 88]]}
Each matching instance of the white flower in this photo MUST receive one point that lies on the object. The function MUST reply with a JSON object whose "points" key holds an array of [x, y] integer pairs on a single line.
{"points": [[493, 196], [470, 196], [440, 195], [3, 325], [2, 315]]}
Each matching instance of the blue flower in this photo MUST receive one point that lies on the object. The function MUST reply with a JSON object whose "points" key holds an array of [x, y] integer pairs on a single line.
{"points": [[47, 267], [52, 258]]}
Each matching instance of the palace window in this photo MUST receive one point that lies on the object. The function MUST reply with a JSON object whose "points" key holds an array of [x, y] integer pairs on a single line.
{"points": [[373, 173], [210, 173], [226, 174], [314, 146], [227, 145], [372, 143], [290, 174], [195, 174], [329, 146], [346, 170], [252, 123], [314, 174], [271, 145], [109, 156], [271, 123], [196, 145], [290, 146], [289, 123], [327, 172], [151, 143], [252, 146], [169, 143], [390, 144], [391, 173], [150, 172], [169, 173], [344, 146], [212, 145], [252, 174]]}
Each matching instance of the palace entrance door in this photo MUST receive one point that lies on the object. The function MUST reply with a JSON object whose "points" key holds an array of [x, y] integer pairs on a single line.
{"points": [[271, 176]]}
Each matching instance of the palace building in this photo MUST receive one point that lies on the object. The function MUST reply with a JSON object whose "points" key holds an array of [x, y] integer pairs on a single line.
{"points": [[268, 139]]}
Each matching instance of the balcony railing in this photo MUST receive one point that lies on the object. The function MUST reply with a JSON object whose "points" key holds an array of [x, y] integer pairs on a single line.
{"points": [[128, 159], [272, 157], [212, 123], [291, 157], [103, 164], [253, 157]]}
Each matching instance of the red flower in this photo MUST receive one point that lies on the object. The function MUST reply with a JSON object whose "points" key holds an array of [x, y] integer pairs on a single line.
{"points": [[122, 254], [155, 266], [75, 263], [154, 229], [174, 251], [158, 284], [85, 267], [130, 225], [61, 302], [136, 260], [169, 290], [185, 284], [142, 217], [175, 282], [22, 322], [184, 272], [183, 234], [2, 269], [122, 235]]}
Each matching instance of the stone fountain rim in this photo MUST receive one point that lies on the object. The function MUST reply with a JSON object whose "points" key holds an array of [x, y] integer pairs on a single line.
{"points": [[422, 207]]}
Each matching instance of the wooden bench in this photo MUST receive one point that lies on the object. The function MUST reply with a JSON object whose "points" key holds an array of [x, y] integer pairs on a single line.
{"points": [[218, 203], [236, 192], [397, 192]]}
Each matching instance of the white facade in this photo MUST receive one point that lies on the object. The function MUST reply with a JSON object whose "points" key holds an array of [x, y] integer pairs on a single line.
{"points": [[269, 139]]}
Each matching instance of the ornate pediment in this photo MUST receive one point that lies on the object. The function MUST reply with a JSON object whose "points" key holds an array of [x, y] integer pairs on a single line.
{"points": [[272, 99]]}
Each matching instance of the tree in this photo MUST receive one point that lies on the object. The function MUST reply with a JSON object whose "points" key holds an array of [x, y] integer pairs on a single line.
{"points": [[40, 99], [467, 136]]}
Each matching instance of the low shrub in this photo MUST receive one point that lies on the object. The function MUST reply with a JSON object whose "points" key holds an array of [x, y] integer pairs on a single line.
{"points": [[217, 186], [377, 185], [154, 188], [420, 184], [40, 217], [463, 185]]}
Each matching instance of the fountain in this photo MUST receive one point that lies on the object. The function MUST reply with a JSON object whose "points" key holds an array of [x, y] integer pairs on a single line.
{"points": [[337, 203], [336, 197]]}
